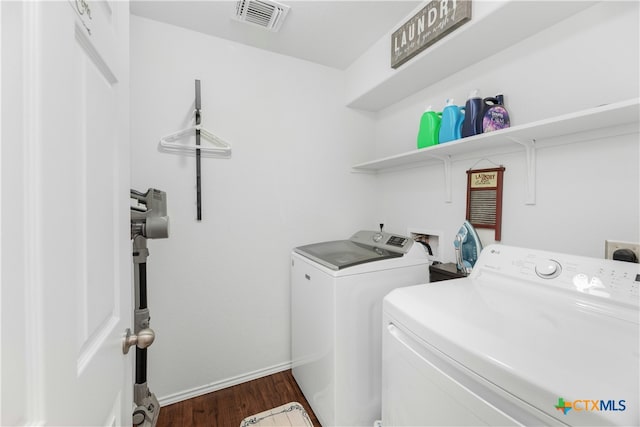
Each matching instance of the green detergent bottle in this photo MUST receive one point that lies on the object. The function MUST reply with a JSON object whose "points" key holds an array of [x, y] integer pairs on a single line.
{"points": [[429, 128]]}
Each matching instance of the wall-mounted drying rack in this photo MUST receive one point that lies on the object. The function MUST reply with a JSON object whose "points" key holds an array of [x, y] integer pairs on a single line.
{"points": [[221, 149]]}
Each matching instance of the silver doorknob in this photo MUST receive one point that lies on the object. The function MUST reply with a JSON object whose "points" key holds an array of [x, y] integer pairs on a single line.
{"points": [[143, 340]]}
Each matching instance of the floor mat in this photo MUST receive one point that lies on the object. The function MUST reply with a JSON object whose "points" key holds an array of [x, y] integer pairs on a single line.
{"points": [[290, 414]]}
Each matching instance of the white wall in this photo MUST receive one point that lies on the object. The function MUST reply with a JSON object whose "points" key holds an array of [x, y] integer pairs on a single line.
{"points": [[586, 192], [219, 289]]}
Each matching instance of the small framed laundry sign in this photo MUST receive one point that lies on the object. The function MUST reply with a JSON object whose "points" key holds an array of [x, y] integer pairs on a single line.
{"points": [[437, 19], [484, 199]]}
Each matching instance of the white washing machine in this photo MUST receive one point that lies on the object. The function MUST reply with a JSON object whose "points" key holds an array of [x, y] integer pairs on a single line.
{"points": [[337, 290], [529, 338]]}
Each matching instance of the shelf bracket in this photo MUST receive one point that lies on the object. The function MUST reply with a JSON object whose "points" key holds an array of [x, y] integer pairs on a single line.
{"points": [[446, 162], [530, 150]]}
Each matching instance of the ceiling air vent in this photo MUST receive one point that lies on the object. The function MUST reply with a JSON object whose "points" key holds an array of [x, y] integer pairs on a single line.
{"points": [[264, 13]]}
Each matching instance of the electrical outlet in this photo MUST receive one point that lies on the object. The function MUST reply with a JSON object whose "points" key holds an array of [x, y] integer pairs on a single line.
{"points": [[610, 246]]}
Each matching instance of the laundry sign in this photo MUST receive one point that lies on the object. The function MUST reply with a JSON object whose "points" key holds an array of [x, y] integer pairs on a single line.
{"points": [[437, 19], [484, 179]]}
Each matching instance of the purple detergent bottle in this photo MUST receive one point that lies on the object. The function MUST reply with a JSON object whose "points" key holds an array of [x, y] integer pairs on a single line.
{"points": [[495, 115]]}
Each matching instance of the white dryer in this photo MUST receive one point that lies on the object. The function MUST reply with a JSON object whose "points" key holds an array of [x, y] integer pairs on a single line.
{"points": [[337, 289], [529, 338]]}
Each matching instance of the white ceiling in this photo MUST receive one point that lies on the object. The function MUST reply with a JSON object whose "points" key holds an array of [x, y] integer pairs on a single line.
{"points": [[332, 33]]}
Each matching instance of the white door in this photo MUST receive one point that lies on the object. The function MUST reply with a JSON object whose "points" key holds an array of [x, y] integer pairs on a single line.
{"points": [[66, 254]]}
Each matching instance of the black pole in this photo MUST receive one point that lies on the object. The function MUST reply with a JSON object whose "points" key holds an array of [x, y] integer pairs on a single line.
{"points": [[142, 269], [141, 365], [141, 353]]}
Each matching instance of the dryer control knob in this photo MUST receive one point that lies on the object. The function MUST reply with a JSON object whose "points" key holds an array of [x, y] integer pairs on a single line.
{"points": [[548, 268], [377, 237]]}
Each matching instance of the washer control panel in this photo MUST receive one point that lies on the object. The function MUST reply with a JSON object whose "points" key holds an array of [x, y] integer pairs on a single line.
{"points": [[397, 241], [383, 240], [614, 280]]}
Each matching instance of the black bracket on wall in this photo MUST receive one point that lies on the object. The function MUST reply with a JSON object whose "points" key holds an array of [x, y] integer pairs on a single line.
{"points": [[198, 174], [215, 146]]}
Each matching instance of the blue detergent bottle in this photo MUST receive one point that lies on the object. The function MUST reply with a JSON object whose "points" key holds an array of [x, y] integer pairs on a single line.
{"points": [[474, 109], [451, 125]]}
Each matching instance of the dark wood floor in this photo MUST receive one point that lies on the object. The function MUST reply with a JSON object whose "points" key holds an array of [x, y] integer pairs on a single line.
{"points": [[228, 407]]}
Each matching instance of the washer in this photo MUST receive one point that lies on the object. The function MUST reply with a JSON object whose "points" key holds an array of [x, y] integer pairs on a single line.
{"points": [[529, 338], [337, 291]]}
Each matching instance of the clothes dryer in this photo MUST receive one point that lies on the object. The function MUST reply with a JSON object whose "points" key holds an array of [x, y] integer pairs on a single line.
{"points": [[337, 290], [529, 338]]}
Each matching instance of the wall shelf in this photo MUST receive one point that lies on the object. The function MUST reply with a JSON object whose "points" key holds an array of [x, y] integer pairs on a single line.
{"points": [[609, 120], [516, 20]]}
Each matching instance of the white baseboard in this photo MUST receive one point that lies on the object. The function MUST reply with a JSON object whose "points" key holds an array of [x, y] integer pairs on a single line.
{"points": [[219, 385]]}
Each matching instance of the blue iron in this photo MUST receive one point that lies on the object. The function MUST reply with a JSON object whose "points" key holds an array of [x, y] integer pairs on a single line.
{"points": [[468, 247]]}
